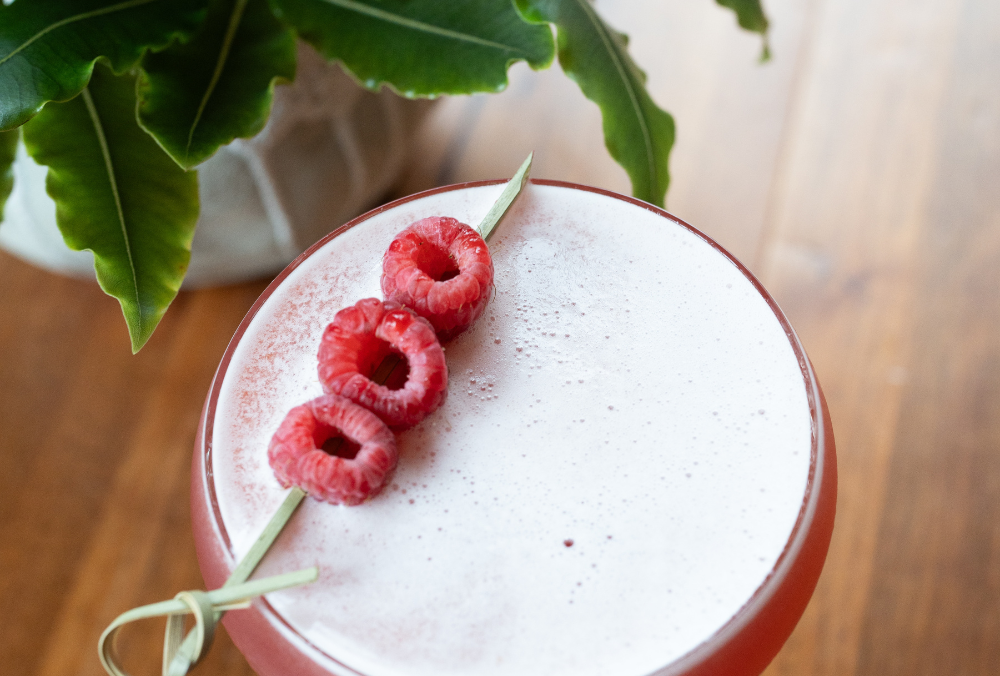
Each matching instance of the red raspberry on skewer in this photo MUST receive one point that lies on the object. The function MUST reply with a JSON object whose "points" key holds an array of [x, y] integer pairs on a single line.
{"points": [[296, 456], [360, 337], [442, 270]]}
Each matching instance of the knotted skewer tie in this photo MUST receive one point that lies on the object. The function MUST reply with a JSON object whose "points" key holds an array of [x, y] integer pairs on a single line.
{"points": [[179, 656], [208, 607]]}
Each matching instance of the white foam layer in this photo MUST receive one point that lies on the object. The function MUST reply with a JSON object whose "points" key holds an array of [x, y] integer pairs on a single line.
{"points": [[627, 389]]}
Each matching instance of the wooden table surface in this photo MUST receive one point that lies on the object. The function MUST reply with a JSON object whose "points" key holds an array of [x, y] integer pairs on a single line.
{"points": [[857, 174]]}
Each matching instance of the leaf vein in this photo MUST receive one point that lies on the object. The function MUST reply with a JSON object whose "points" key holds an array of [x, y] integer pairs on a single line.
{"points": [[633, 98], [109, 167], [220, 64], [128, 4], [406, 22]]}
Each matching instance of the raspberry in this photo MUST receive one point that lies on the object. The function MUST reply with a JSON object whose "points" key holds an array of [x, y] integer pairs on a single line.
{"points": [[356, 342], [296, 454], [442, 270]]}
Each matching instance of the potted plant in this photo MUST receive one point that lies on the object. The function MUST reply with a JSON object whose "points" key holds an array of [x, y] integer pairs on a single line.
{"points": [[121, 100]]}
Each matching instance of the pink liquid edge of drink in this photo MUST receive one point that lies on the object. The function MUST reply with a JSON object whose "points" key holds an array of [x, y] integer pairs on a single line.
{"points": [[753, 616]]}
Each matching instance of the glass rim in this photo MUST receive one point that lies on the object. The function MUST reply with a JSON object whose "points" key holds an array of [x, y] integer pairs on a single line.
{"points": [[821, 451]]}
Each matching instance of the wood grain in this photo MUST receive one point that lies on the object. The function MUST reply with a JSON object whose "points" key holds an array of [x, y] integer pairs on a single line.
{"points": [[856, 174], [95, 506]]}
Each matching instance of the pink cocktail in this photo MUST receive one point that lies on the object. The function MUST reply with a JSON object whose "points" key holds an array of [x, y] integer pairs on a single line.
{"points": [[633, 473]]}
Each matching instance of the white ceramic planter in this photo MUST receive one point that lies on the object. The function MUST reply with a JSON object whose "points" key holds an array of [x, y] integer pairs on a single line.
{"points": [[329, 151]]}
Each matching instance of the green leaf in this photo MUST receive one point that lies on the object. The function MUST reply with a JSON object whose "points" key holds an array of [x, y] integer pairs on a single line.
{"points": [[750, 16], [8, 148], [119, 195], [637, 133], [197, 96], [421, 47], [48, 48]]}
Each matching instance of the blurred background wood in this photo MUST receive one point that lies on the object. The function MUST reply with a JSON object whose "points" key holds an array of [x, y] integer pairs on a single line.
{"points": [[856, 174]]}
